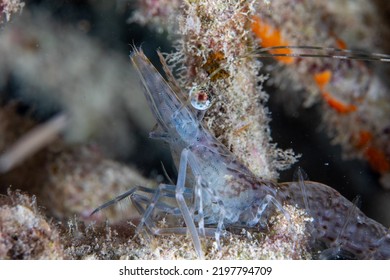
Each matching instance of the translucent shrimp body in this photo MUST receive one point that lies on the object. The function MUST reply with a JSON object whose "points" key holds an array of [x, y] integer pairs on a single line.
{"points": [[338, 225], [224, 190], [220, 191]]}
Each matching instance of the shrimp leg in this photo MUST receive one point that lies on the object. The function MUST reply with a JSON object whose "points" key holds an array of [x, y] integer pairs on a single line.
{"points": [[138, 200], [180, 188], [160, 191], [180, 191]]}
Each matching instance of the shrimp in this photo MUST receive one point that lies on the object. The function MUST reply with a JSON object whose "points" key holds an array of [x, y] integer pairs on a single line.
{"points": [[221, 192]]}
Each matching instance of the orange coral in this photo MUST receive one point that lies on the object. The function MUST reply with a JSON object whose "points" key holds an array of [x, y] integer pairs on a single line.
{"points": [[377, 160], [213, 66], [375, 157], [323, 78], [338, 105], [271, 37], [364, 138]]}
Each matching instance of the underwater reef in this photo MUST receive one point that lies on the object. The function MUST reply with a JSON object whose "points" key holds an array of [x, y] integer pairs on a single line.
{"points": [[74, 122]]}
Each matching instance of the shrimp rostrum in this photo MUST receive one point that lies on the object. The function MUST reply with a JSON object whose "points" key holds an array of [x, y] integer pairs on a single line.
{"points": [[214, 191]]}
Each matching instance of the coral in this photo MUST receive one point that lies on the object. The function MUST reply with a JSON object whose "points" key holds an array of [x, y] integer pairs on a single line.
{"points": [[217, 36], [286, 240], [212, 52], [78, 179], [68, 179], [59, 68], [52, 66], [8, 8], [12, 127], [24, 232], [160, 15], [354, 101]]}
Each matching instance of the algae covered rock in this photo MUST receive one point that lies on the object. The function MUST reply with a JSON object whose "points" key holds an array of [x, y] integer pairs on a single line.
{"points": [[24, 232]]}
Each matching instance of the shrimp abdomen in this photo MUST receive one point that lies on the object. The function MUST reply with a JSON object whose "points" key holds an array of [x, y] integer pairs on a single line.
{"points": [[338, 223]]}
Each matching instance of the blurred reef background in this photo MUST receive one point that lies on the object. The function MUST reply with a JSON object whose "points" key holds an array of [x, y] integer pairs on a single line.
{"points": [[73, 57]]}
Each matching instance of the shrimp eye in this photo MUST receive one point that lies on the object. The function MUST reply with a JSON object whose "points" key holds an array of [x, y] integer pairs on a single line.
{"points": [[200, 98]]}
